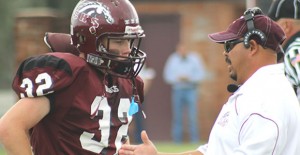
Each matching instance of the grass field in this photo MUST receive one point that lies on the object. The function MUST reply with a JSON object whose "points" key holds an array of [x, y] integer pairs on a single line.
{"points": [[173, 148], [2, 151], [164, 147]]}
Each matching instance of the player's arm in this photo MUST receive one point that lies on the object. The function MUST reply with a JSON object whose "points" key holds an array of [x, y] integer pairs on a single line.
{"points": [[16, 123], [148, 148], [36, 77]]}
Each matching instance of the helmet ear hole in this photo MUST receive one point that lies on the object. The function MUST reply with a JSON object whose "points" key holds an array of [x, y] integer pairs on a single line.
{"points": [[82, 39]]}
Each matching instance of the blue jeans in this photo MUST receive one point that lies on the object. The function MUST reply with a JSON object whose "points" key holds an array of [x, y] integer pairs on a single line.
{"points": [[185, 99]]}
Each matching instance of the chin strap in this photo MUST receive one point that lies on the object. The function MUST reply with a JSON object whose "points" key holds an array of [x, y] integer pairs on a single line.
{"points": [[134, 107]]}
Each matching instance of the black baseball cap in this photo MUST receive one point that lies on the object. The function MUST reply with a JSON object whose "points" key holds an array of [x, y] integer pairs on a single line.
{"points": [[284, 9]]}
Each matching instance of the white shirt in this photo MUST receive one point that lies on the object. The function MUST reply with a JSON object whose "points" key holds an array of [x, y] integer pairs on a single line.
{"points": [[261, 118]]}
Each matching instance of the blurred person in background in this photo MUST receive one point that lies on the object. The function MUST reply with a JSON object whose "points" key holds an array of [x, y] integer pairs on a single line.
{"points": [[184, 71]]}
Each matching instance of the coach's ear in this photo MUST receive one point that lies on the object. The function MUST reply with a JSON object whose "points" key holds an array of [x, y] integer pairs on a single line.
{"points": [[60, 42], [253, 47]]}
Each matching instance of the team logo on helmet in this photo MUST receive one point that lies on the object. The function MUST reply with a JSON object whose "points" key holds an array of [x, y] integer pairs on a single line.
{"points": [[91, 10]]}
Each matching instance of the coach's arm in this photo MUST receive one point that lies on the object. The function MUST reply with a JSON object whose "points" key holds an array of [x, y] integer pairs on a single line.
{"points": [[148, 148]]}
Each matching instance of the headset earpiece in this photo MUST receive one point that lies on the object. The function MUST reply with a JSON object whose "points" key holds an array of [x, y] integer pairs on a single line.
{"points": [[249, 18], [249, 34]]}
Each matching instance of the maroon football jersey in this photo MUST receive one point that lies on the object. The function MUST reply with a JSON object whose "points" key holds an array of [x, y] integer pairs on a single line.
{"points": [[89, 115]]}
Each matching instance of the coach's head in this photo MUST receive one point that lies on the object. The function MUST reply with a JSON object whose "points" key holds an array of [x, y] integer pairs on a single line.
{"points": [[250, 42]]}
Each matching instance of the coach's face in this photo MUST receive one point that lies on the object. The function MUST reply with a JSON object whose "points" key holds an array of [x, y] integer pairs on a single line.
{"points": [[235, 56]]}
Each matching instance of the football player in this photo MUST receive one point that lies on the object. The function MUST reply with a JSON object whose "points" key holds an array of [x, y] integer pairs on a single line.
{"points": [[80, 103]]}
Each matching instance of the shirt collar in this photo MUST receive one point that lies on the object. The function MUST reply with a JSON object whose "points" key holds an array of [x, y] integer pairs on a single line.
{"points": [[259, 77]]}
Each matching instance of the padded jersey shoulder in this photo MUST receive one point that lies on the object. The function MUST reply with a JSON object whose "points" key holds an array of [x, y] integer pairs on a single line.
{"points": [[44, 74]]}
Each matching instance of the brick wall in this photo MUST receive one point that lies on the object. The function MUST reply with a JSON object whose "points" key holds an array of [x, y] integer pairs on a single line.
{"points": [[30, 28]]}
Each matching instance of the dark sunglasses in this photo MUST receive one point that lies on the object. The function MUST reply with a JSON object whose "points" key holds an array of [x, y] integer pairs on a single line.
{"points": [[229, 45]]}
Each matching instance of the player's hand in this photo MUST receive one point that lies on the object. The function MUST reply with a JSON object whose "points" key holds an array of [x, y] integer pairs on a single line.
{"points": [[147, 148]]}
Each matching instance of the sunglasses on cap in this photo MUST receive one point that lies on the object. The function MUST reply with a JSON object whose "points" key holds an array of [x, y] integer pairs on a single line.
{"points": [[229, 45]]}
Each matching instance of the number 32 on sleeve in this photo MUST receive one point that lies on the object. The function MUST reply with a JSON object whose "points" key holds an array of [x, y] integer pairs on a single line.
{"points": [[43, 82]]}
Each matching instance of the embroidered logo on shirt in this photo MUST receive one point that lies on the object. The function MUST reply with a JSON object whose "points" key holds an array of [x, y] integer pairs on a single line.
{"points": [[224, 119]]}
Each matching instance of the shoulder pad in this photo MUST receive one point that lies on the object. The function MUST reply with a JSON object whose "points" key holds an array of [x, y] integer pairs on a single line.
{"points": [[45, 74]]}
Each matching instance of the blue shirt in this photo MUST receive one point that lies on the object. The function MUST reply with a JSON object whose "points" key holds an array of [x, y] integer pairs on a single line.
{"points": [[189, 66]]}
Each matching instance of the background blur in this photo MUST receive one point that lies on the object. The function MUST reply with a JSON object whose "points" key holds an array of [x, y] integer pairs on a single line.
{"points": [[24, 23]]}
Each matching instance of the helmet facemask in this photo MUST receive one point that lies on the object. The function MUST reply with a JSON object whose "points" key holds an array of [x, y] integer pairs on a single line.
{"points": [[112, 62]]}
